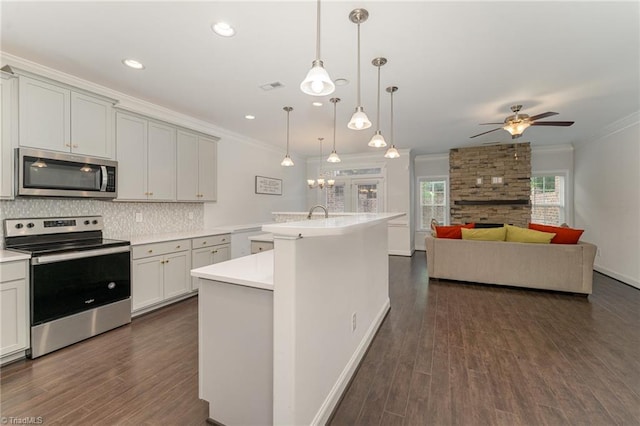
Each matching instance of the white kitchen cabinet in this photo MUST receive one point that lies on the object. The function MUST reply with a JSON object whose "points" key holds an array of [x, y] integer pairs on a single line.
{"points": [[14, 313], [207, 251], [146, 159], [8, 133], [160, 273], [196, 166], [54, 117], [260, 246]]}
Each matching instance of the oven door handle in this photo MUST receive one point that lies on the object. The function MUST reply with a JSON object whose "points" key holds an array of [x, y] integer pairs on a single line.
{"points": [[52, 258]]}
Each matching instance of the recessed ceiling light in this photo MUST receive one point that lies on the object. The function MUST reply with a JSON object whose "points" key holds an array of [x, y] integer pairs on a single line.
{"points": [[223, 29], [132, 63], [341, 82], [316, 103], [250, 117]]}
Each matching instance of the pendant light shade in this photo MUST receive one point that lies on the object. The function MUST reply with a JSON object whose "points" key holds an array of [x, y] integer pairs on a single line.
{"points": [[392, 152], [359, 120], [333, 158], [287, 161], [317, 82], [377, 141]]}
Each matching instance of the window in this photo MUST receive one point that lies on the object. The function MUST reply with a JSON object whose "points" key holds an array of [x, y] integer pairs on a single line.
{"points": [[432, 193], [548, 199]]}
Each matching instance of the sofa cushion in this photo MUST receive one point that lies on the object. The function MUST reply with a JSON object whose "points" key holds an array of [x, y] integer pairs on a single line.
{"points": [[523, 235], [452, 231], [564, 235], [484, 234]]}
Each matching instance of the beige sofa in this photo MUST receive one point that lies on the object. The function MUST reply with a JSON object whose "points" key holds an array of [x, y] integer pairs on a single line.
{"points": [[561, 267]]}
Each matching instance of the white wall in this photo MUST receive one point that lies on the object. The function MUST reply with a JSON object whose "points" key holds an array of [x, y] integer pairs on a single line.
{"points": [[607, 198], [239, 161]]}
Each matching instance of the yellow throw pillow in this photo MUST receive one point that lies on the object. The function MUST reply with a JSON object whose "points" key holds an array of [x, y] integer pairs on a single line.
{"points": [[522, 235], [484, 234]]}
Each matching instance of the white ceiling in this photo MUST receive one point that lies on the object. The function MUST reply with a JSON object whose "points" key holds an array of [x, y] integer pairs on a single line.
{"points": [[456, 64]]}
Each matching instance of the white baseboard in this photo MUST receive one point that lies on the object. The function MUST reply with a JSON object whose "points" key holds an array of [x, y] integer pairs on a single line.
{"points": [[620, 277], [401, 253], [330, 402]]}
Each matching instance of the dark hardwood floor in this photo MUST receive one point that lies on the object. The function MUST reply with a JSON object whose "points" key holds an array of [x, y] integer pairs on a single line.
{"points": [[447, 354]]}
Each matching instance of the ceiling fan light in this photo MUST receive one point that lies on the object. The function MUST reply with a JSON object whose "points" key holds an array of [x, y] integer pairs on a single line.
{"points": [[317, 82], [392, 152], [377, 141], [333, 157], [516, 128], [359, 120]]}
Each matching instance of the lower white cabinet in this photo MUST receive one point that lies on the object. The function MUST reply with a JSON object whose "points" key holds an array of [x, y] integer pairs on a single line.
{"points": [[207, 251], [160, 272], [14, 313]]}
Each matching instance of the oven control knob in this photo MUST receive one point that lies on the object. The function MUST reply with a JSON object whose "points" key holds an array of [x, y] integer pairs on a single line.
{"points": [[19, 226], [111, 285], [30, 225], [95, 222], [86, 222]]}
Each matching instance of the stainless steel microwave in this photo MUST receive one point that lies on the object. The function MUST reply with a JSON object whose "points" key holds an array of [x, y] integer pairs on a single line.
{"points": [[55, 174]]}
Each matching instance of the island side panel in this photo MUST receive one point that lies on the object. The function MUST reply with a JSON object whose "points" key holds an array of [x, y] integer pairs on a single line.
{"points": [[320, 283], [235, 325]]}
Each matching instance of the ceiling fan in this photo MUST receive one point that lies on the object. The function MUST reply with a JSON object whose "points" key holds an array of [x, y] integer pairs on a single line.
{"points": [[517, 123]]}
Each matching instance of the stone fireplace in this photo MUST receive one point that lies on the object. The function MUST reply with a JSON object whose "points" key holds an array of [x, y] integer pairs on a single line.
{"points": [[491, 184]]}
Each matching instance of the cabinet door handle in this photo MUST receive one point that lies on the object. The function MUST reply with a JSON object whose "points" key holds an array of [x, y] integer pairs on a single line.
{"points": [[166, 261], [204, 242], [75, 146], [214, 251], [151, 193], [67, 145], [150, 251], [259, 248], [177, 247], [224, 239]]}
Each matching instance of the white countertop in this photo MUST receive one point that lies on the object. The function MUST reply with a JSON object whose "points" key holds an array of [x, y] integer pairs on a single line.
{"points": [[10, 256], [266, 237], [332, 226], [254, 271], [171, 236], [242, 228]]}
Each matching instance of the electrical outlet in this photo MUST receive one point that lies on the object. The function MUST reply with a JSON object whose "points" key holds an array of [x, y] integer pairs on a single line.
{"points": [[190, 215], [598, 253], [354, 323], [138, 217]]}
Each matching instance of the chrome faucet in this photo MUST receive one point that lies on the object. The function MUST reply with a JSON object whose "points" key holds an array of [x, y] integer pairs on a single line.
{"points": [[326, 212]]}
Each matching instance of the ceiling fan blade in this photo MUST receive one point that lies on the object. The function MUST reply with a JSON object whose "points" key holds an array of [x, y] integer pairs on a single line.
{"points": [[484, 133], [553, 123], [543, 115], [482, 124]]}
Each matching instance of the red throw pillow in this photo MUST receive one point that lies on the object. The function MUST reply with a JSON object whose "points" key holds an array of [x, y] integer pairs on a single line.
{"points": [[563, 235], [453, 231]]}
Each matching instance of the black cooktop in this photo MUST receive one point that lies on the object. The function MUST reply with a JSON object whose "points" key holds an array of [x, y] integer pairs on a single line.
{"points": [[40, 249]]}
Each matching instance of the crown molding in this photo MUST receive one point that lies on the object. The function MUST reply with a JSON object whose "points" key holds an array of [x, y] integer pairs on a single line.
{"points": [[620, 125]]}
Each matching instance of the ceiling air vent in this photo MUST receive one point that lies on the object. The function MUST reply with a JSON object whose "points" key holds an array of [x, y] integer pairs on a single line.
{"points": [[271, 86]]}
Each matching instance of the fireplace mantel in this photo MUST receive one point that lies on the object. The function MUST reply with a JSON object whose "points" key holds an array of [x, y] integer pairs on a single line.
{"points": [[524, 202]]}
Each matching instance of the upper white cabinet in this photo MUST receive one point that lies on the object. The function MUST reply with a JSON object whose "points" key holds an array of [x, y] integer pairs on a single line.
{"points": [[196, 162], [146, 159], [8, 133], [54, 117]]}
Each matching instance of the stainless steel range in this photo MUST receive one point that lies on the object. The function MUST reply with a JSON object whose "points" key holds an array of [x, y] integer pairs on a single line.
{"points": [[80, 283]]}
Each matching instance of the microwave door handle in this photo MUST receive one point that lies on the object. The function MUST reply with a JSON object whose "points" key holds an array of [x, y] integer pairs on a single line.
{"points": [[103, 187]]}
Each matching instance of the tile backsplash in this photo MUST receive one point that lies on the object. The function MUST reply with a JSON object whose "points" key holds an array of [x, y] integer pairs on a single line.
{"points": [[119, 217]]}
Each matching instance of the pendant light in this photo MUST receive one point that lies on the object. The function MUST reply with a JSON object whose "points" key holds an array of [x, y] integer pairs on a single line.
{"points": [[287, 161], [317, 82], [359, 120], [377, 141], [392, 152], [333, 158]]}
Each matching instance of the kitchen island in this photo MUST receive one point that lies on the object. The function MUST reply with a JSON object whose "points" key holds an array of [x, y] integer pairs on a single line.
{"points": [[282, 332]]}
